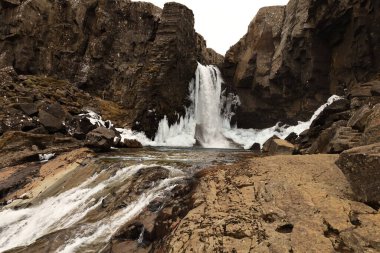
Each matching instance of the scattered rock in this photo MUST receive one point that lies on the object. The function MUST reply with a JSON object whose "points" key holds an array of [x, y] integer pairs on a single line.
{"points": [[130, 143], [277, 146], [100, 138], [20, 147], [361, 166], [79, 126], [255, 147], [50, 122], [359, 118], [372, 127], [29, 109], [292, 138]]}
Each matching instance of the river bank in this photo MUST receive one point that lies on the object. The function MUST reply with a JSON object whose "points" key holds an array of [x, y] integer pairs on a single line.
{"points": [[188, 200]]}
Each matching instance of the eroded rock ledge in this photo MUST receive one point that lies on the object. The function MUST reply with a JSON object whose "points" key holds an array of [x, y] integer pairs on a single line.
{"points": [[292, 58], [132, 53], [276, 204]]}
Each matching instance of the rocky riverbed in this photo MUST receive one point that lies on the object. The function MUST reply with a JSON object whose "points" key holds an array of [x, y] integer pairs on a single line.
{"points": [[185, 200]]}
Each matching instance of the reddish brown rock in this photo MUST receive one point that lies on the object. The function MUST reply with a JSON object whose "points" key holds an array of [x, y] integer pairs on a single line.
{"points": [[277, 146]]}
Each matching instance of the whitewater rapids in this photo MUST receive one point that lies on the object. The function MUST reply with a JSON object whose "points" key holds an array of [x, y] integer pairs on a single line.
{"points": [[207, 121]]}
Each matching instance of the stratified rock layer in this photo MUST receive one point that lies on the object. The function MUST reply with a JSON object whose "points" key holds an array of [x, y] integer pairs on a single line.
{"points": [[292, 58], [132, 53]]}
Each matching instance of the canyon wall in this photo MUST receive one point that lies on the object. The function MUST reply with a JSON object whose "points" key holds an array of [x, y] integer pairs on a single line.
{"points": [[132, 53], [292, 58]]}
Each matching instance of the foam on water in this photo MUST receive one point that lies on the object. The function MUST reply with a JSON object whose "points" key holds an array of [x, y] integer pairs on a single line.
{"points": [[103, 230], [24, 226], [208, 119], [246, 137]]}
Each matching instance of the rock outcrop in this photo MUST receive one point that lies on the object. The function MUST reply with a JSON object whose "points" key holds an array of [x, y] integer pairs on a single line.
{"points": [[132, 53], [292, 58], [276, 204], [361, 166], [277, 146]]}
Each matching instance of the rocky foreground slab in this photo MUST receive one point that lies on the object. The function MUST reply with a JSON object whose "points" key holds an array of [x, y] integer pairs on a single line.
{"points": [[276, 204]]}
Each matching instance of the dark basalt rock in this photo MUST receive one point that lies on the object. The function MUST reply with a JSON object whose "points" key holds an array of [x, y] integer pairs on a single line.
{"points": [[29, 109], [79, 126], [293, 58], [292, 138], [255, 147], [129, 143], [132, 53], [100, 138], [20, 147]]}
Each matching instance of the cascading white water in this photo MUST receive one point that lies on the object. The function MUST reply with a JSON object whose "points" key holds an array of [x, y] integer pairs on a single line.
{"points": [[208, 119], [24, 226], [209, 112]]}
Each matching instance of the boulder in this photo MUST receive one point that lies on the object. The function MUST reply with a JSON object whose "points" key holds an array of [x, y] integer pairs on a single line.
{"points": [[51, 123], [372, 127], [361, 166], [292, 137], [53, 117], [335, 139], [79, 126], [359, 118], [363, 90], [20, 147], [255, 147], [129, 143], [100, 138], [29, 109], [277, 146]]}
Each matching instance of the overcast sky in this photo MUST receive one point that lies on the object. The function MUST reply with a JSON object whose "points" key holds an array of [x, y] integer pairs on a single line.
{"points": [[223, 23]]}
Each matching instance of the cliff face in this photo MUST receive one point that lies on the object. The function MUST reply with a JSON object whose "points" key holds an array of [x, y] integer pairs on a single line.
{"points": [[132, 53], [292, 58]]}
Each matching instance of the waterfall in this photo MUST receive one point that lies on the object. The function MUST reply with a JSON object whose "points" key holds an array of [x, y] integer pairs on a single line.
{"points": [[207, 120], [209, 113]]}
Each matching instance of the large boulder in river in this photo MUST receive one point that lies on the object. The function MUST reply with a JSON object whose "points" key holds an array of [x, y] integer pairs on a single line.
{"points": [[100, 138], [361, 166], [129, 143]]}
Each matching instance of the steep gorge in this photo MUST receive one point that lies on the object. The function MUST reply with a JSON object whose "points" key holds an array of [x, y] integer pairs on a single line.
{"points": [[293, 57], [132, 53]]}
